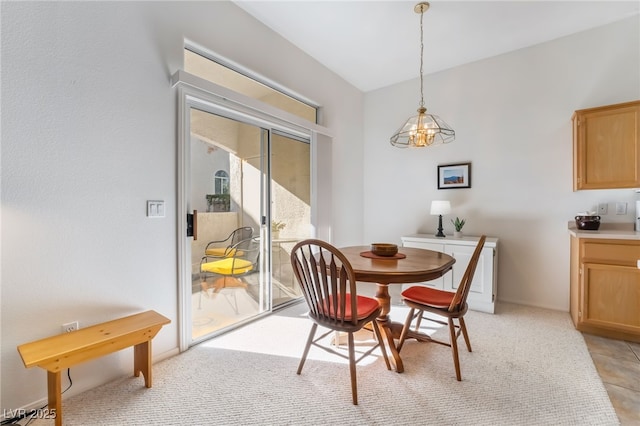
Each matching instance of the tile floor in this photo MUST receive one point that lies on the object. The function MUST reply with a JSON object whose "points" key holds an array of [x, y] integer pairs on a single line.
{"points": [[618, 363]]}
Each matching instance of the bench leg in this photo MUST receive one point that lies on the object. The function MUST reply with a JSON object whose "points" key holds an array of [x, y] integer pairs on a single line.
{"points": [[142, 361], [54, 389]]}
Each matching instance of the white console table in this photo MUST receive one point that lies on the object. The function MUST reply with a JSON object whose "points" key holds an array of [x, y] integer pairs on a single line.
{"points": [[482, 294]]}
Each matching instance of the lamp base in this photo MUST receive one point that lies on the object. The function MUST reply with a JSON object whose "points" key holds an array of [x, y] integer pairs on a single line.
{"points": [[440, 234]]}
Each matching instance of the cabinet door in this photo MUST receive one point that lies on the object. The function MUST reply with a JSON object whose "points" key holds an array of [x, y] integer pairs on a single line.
{"points": [[482, 285], [611, 297], [438, 282], [606, 142]]}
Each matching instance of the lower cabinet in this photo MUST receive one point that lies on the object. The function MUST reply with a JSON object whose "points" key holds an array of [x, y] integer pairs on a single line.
{"points": [[605, 287], [482, 294]]}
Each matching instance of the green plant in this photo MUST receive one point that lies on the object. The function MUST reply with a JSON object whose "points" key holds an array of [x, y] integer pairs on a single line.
{"points": [[458, 224], [218, 202], [217, 197], [277, 226]]}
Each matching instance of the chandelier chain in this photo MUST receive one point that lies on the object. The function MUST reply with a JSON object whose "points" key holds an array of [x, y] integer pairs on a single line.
{"points": [[421, 60]]}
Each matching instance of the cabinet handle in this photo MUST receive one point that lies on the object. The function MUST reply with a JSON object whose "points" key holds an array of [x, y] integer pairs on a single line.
{"points": [[638, 263]]}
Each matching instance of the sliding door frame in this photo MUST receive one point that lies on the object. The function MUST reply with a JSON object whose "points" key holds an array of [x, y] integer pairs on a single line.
{"points": [[194, 92]]}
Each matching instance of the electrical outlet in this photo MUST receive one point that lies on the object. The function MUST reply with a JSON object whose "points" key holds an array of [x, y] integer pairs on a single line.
{"points": [[602, 208], [70, 326]]}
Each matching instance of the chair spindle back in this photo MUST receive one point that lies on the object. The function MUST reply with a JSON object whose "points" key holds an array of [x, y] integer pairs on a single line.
{"points": [[325, 277], [460, 298]]}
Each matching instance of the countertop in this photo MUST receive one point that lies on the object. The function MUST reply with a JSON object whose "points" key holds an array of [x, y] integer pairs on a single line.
{"points": [[619, 231]]}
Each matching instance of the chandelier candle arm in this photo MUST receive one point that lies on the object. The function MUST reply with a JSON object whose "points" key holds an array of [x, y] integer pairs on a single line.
{"points": [[423, 129]]}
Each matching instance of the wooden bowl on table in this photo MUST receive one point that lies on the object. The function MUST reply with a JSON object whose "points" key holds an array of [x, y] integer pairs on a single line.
{"points": [[384, 249]]}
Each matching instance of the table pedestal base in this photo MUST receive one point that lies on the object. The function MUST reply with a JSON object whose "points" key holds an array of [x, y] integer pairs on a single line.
{"points": [[389, 329], [386, 328]]}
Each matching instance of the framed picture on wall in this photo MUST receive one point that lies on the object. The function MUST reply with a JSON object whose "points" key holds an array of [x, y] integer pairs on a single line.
{"points": [[452, 176]]}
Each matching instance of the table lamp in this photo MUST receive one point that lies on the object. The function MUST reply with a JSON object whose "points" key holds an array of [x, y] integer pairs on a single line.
{"points": [[439, 208]]}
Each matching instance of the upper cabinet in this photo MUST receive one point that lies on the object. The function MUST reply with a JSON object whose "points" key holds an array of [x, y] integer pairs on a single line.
{"points": [[606, 147]]}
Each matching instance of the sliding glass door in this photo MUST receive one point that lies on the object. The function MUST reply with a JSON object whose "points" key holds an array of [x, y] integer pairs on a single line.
{"points": [[247, 187], [290, 210], [227, 175]]}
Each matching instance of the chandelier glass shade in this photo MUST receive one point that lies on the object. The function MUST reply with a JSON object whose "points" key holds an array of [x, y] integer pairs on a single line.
{"points": [[423, 129]]}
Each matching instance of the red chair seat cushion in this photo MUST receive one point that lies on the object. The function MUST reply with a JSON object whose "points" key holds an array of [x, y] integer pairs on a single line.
{"points": [[428, 296], [365, 305]]}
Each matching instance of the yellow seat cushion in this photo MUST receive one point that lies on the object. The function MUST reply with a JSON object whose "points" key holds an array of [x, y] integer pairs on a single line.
{"points": [[223, 252], [228, 266]]}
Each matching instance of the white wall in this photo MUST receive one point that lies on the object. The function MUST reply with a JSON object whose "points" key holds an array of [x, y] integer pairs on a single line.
{"points": [[512, 117], [89, 134]]}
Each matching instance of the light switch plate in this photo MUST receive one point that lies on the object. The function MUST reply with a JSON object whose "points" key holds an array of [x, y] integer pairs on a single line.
{"points": [[621, 208], [155, 208]]}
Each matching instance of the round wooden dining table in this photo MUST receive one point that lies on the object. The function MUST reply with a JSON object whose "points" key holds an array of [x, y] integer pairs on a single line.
{"points": [[410, 265]]}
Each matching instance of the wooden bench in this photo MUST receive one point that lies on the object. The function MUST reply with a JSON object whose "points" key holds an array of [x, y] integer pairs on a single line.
{"points": [[57, 353]]}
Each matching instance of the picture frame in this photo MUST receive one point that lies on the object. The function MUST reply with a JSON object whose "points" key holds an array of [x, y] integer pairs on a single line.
{"points": [[453, 176]]}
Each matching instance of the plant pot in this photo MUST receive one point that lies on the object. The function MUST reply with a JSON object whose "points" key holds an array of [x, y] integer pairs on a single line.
{"points": [[457, 234]]}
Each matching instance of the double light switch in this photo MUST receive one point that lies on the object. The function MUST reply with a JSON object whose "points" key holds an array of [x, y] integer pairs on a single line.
{"points": [[155, 208]]}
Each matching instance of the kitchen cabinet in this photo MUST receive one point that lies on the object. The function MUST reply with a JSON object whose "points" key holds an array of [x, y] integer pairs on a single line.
{"points": [[605, 287], [482, 294], [606, 147]]}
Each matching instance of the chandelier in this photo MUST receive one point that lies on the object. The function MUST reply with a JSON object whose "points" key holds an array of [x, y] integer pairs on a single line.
{"points": [[423, 129]]}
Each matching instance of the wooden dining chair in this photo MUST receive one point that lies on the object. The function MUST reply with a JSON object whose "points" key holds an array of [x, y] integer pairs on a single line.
{"points": [[445, 304], [328, 283]]}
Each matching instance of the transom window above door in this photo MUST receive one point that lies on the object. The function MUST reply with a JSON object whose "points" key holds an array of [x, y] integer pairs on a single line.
{"points": [[206, 66]]}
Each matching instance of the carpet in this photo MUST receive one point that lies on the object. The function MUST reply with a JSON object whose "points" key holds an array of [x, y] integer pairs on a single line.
{"points": [[529, 366]]}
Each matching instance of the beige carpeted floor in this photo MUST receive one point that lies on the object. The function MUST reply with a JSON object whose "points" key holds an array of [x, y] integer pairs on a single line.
{"points": [[529, 366]]}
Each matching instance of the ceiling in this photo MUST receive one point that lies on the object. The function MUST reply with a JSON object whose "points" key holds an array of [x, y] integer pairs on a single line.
{"points": [[373, 44]]}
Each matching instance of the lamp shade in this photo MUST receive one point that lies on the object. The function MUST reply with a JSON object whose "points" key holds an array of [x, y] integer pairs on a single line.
{"points": [[440, 207]]}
